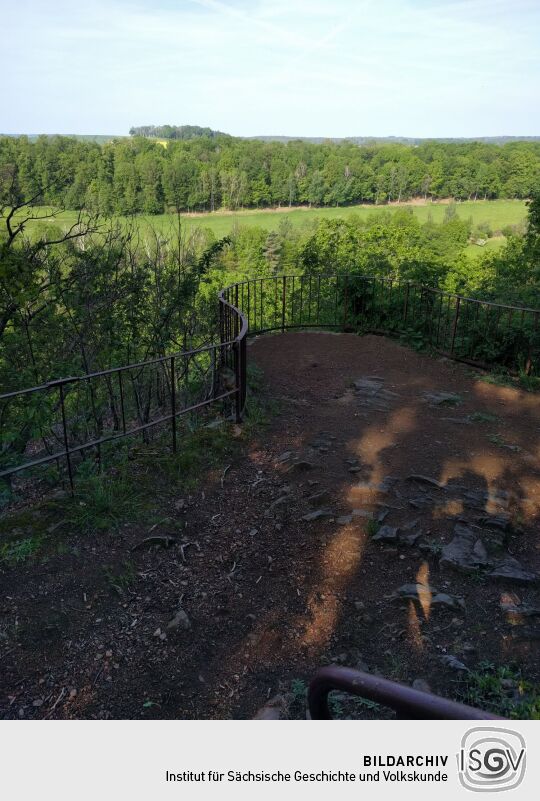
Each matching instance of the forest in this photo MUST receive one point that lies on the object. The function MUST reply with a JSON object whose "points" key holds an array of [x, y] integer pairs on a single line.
{"points": [[211, 172]]}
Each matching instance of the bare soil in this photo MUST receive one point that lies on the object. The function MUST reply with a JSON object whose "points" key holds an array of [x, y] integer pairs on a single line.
{"points": [[269, 596]]}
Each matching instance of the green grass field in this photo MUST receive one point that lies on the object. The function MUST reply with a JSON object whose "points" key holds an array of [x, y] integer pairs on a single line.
{"points": [[498, 213]]}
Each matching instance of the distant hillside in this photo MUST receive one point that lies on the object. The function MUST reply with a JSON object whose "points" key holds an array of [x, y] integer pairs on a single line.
{"points": [[186, 132], [402, 140], [100, 139], [181, 132]]}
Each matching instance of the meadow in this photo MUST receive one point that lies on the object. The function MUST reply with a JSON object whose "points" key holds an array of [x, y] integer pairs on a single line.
{"points": [[496, 213]]}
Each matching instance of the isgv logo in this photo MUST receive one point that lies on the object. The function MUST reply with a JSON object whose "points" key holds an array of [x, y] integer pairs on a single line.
{"points": [[491, 760]]}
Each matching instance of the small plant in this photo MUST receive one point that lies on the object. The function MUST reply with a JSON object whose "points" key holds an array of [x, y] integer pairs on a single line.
{"points": [[372, 527], [299, 690], [120, 580], [13, 553]]}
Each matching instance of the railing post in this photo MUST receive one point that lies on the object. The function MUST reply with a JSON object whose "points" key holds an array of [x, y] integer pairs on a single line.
{"points": [[406, 303], [345, 302], [66, 441], [238, 381], [529, 363], [221, 323], [173, 404], [122, 407], [283, 304], [243, 370], [454, 329]]}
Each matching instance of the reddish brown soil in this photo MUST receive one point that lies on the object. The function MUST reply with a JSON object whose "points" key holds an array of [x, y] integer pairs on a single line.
{"points": [[270, 606]]}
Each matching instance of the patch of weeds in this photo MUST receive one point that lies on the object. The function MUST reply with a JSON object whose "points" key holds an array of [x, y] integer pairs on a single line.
{"points": [[6, 494], [198, 451], [259, 413], [498, 379], [255, 377], [483, 417], [120, 578], [396, 670], [501, 690], [530, 383], [298, 703], [18, 551], [104, 501], [346, 705]]}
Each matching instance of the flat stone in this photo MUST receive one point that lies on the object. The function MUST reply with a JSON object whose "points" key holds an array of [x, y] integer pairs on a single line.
{"points": [[410, 537], [453, 663], [179, 621], [386, 534], [428, 597], [318, 514], [371, 394], [465, 552], [420, 479], [344, 520], [501, 521], [448, 601], [510, 569], [442, 398]]}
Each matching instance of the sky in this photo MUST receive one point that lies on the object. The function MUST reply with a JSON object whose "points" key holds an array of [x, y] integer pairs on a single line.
{"points": [[427, 68]]}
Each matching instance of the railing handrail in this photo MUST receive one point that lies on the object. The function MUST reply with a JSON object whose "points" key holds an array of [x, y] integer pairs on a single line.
{"points": [[390, 279], [407, 702]]}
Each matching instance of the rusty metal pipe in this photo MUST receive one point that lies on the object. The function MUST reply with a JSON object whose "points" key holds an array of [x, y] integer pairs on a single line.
{"points": [[408, 704]]}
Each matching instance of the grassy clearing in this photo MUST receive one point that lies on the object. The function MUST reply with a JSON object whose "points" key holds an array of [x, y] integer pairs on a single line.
{"points": [[497, 213]]}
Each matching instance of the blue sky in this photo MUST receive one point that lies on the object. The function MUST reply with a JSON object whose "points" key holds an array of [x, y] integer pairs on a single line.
{"points": [[295, 67]]}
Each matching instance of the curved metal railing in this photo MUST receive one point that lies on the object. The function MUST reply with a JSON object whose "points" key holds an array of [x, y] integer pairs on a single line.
{"points": [[59, 421], [479, 332], [407, 703]]}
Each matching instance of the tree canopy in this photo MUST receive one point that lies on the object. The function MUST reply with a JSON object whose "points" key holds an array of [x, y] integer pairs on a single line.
{"points": [[215, 171]]}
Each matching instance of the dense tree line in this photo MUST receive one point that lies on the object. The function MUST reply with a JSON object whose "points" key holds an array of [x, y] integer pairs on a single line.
{"points": [[174, 131], [139, 175]]}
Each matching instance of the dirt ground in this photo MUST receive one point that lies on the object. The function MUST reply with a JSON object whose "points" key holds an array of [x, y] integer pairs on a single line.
{"points": [[294, 556]]}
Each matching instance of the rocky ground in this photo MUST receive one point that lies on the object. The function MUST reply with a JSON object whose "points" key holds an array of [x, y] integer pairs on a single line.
{"points": [[386, 519]]}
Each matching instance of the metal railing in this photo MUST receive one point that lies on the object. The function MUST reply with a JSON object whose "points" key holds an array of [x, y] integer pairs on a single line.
{"points": [[478, 332], [61, 420], [407, 703]]}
